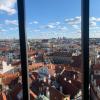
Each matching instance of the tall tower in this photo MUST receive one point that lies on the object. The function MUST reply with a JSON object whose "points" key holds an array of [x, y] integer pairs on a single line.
{"points": [[28, 45], [51, 46]]}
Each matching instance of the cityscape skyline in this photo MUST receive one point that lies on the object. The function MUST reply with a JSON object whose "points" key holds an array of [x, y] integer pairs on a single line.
{"points": [[54, 62]]}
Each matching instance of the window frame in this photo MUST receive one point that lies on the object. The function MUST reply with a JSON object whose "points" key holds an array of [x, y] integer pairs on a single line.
{"points": [[23, 49], [85, 47]]}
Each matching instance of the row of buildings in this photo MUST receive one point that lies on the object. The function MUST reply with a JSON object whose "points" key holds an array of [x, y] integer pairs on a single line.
{"points": [[54, 65]]}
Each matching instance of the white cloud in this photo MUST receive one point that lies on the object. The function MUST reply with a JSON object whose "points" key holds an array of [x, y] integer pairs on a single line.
{"points": [[63, 29], [36, 30], [78, 31], [98, 19], [12, 22], [15, 28], [8, 6], [50, 26], [34, 22], [57, 23], [76, 22], [94, 19], [73, 21], [1, 25], [94, 28], [95, 34], [92, 24], [2, 30], [76, 26]]}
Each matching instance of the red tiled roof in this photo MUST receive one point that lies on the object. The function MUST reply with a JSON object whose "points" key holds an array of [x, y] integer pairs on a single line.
{"points": [[77, 61], [69, 88], [16, 63], [3, 59], [51, 72], [98, 82], [78, 84], [30, 53], [4, 49], [32, 95], [38, 65], [96, 67], [6, 75], [35, 65], [3, 96], [7, 78], [16, 90], [34, 75]]}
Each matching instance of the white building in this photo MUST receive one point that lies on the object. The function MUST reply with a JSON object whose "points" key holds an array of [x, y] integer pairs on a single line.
{"points": [[6, 68]]}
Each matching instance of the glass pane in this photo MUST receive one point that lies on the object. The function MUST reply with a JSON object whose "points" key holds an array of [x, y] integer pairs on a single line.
{"points": [[10, 67], [54, 47], [95, 49]]}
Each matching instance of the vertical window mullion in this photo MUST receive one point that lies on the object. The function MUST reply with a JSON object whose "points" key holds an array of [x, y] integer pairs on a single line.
{"points": [[85, 47], [23, 49]]}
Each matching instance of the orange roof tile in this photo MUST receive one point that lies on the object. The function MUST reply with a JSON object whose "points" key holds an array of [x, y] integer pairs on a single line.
{"points": [[3, 96], [7, 78]]}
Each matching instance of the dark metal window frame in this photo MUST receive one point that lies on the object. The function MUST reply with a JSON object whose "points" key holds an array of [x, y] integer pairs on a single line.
{"points": [[23, 49], [85, 47]]}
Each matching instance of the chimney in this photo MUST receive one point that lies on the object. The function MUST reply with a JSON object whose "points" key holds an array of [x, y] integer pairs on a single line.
{"points": [[44, 79], [49, 79], [69, 81], [91, 77], [65, 79], [90, 63], [54, 75], [98, 88], [48, 92], [74, 77], [49, 76], [61, 89], [94, 82]]}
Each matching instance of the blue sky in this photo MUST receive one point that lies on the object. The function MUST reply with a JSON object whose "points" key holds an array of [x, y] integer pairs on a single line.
{"points": [[48, 18]]}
